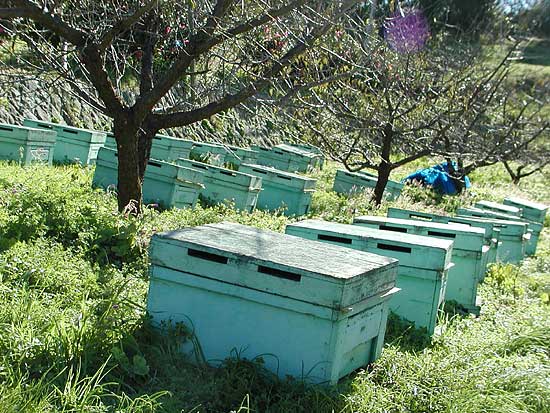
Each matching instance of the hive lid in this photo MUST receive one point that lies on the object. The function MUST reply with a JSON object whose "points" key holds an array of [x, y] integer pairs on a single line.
{"points": [[296, 151], [223, 174], [268, 173], [495, 206], [510, 220], [465, 238], [27, 134], [411, 250], [524, 203], [310, 271], [69, 132]]}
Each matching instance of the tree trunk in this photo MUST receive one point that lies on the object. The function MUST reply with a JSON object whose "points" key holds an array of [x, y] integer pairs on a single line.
{"points": [[145, 141], [383, 177], [129, 178]]}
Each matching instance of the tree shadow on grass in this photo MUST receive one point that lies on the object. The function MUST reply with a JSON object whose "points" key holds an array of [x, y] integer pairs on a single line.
{"points": [[537, 52]]}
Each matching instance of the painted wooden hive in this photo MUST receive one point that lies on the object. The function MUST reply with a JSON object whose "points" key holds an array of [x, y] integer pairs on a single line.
{"points": [[533, 211], [272, 157], [312, 311], [497, 207], [300, 160], [72, 144], [282, 189], [524, 239], [222, 184], [26, 145], [163, 148], [319, 158], [347, 183], [236, 156], [212, 153], [469, 253], [423, 264], [492, 232], [165, 184]]}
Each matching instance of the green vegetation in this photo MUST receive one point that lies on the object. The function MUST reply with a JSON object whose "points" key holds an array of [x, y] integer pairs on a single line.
{"points": [[74, 334]]}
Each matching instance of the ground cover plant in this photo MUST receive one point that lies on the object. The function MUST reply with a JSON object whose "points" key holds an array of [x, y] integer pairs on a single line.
{"points": [[74, 333]]}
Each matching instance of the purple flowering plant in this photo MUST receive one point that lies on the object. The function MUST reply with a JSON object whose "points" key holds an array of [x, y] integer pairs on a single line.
{"points": [[407, 31]]}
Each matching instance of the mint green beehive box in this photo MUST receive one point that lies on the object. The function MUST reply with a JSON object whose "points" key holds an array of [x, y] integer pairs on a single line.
{"points": [[211, 153], [347, 183], [236, 156], [165, 184], [501, 208], [532, 211], [163, 148], [319, 158], [221, 184], [492, 232], [72, 144], [423, 264], [299, 160], [312, 311], [514, 246], [26, 145], [469, 253], [282, 189], [272, 157]]}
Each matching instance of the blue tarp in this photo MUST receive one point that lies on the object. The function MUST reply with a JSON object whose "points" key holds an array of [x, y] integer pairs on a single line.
{"points": [[437, 177]]}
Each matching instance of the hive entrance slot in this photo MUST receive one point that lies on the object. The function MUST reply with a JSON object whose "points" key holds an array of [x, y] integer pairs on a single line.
{"points": [[389, 247], [284, 177], [259, 171], [459, 222], [333, 238], [70, 131], [6, 129], [395, 229], [208, 256], [441, 234], [200, 166], [416, 216], [227, 173], [279, 273], [44, 126]]}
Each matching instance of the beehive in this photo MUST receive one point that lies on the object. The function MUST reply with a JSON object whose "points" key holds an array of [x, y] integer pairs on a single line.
{"points": [[163, 148], [319, 158], [26, 145], [221, 184], [515, 242], [236, 156], [272, 157], [165, 184], [312, 311], [423, 264], [532, 211], [492, 232], [282, 189], [72, 144], [300, 160], [347, 183], [469, 253], [496, 207], [211, 153]]}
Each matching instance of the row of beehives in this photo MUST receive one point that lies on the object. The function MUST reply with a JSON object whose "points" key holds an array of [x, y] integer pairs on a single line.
{"points": [[316, 311], [179, 169]]}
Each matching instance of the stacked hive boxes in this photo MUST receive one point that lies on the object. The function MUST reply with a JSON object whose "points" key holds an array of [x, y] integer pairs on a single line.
{"points": [[423, 264], [281, 189], [221, 184], [319, 310], [533, 212], [469, 253], [348, 183], [165, 184], [26, 145], [72, 144]]}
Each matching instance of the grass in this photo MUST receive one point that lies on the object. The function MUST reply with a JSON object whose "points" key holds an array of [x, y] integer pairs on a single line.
{"points": [[74, 334]]}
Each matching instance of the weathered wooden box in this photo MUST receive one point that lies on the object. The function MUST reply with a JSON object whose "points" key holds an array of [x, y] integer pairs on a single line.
{"points": [[282, 189], [211, 153], [163, 148], [492, 232], [299, 160], [469, 253], [165, 184], [72, 144], [423, 264], [496, 207], [310, 310], [530, 210], [221, 184], [348, 183], [236, 156], [514, 240], [318, 159], [26, 145]]}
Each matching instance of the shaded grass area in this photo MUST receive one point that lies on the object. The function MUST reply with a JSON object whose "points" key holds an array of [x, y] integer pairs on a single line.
{"points": [[74, 334]]}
